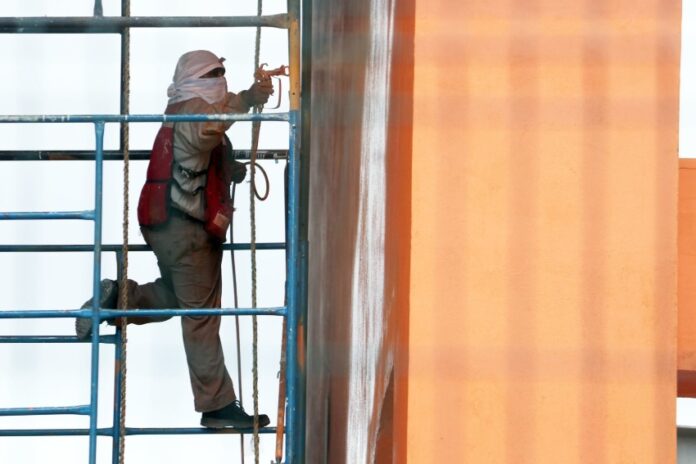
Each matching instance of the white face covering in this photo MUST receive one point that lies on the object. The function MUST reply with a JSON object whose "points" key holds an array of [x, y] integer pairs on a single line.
{"points": [[187, 78]]}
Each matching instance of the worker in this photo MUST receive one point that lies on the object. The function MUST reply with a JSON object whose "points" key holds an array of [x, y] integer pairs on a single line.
{"points": [[185, 227]]}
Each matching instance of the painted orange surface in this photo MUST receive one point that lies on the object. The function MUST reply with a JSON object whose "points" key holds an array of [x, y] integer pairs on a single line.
{"points": [[354, 413], [543, 232], [687, 278]]}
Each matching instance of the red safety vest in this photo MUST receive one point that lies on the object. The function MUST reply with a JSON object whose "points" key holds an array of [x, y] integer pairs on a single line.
{"points": [[155, 202]]}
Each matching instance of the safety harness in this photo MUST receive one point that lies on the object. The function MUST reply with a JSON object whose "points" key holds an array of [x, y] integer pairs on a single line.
{"points": [[154, 206]]}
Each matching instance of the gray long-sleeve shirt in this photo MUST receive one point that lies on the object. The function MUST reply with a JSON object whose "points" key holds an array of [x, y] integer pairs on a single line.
{"points": [[193, 143]]}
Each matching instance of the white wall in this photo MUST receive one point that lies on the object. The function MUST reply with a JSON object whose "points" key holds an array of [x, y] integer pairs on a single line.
{"points": [[687, 111]]}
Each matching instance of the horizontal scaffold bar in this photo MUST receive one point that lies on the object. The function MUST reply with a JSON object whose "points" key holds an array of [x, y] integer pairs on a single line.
{"points": [[130, 431], [48, 215], [191, 431], [111, 313], [52, 339], [115, 155], [45, 411], [116, 24], [92, 118], [118, 248]]}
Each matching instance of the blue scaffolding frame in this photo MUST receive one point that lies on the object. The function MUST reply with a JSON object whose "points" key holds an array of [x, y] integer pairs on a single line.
{"points": [[294, 246]]}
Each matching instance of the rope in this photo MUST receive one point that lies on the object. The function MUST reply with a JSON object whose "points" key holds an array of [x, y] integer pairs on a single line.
{"points": [[123, 284], [255, 130], [255, 336], [236, 321], [236, 298], [257, 45], [265, 178]]}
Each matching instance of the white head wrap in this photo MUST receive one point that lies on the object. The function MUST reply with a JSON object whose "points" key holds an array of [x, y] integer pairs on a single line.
{"points": [[187, 83]]}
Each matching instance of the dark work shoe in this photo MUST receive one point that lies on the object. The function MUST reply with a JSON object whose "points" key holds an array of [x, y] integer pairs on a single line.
{"points": [[109, 294], [232, 415]]}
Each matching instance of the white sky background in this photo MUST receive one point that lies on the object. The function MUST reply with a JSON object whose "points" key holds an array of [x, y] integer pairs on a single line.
{"points": [[686, 408], [687, 111], [62, 74]]}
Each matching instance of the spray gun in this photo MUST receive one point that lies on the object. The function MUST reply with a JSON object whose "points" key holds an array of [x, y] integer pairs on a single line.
{"points": [[262, 74]]}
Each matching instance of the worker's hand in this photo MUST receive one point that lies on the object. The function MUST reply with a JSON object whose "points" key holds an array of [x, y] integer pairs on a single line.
{"points": [[238, 172], [259, 92]]}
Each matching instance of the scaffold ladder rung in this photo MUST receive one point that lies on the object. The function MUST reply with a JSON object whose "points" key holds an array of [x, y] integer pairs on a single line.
{"points": [[88, 215], [116, 24], [108, 431], [83, 410], [52, 339], [112, 313], [20, 248]]}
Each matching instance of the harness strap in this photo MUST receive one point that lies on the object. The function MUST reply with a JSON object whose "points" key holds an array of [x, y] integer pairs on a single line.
{"points": [[189, 173]]}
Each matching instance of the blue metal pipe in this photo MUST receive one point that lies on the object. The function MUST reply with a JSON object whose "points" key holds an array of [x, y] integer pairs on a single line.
{"points": [[117, 155], [108, 431], [51, 339], [293, 222], [96, 298], [51, 432], [117, 248], [118, 392], [115, 24], [45, 411], [301, 375], [22, 215], [44, 313], [95, 118], [110, 313], [193, 431], [293, 444]]}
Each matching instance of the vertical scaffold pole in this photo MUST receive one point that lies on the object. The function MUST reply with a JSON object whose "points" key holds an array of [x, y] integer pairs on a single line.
{"points": [[294, 430], [293, 364], [96, 289], [116, 430]]}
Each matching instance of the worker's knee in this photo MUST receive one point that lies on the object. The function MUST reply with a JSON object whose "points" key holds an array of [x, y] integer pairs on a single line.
{"points": [[200, 328]]}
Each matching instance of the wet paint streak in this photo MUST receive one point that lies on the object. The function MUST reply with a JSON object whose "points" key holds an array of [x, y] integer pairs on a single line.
{"points": [[367, 306]]}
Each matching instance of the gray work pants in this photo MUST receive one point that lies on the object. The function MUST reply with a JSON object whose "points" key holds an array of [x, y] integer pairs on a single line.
{"points": [[189, 260]]}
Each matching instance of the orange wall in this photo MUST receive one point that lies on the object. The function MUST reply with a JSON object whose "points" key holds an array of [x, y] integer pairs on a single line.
{"points": [[687, 278], [543, 232]]}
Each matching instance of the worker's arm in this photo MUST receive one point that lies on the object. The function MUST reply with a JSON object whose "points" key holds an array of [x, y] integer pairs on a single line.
{"points": [[236, 103], [258, 93], [242, 102]]}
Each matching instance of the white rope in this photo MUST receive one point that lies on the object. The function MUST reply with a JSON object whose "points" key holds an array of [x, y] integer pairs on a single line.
{"points": [[255, 130], [123, 284], [236, 322]]}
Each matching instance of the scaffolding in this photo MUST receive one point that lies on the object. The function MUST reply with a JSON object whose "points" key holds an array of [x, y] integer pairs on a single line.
{"points": [[295, 241]]}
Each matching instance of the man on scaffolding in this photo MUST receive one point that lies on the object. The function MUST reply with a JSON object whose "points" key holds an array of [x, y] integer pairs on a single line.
{"points": [[184, 213]]}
